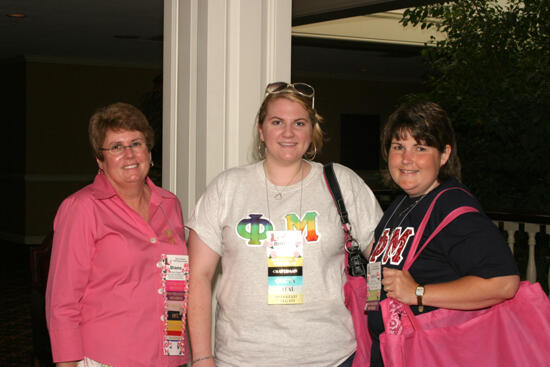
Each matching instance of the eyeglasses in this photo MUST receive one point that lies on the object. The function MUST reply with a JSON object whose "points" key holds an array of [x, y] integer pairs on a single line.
{"points": [[302, 89], [137, 146]]}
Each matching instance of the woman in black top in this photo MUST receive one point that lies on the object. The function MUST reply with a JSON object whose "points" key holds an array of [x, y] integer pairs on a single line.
{"points": [[468, 265]]}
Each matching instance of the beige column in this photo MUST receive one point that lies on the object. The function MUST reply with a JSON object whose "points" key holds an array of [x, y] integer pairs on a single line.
{"points": [[218, 57]]}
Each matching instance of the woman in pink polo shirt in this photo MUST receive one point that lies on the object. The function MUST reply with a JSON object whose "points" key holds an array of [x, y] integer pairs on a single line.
{"points": [[117, 287]]}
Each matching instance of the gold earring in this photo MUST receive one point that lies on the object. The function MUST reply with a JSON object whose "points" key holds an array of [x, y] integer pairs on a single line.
{"points": [[308, 154], [261, 150]]}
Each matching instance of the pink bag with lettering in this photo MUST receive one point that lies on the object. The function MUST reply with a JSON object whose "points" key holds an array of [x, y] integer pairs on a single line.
{"points": [[515, 332], [355, 288]]}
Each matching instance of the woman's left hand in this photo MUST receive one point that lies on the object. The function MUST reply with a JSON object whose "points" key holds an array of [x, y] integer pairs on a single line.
{"points": [[399, 285]]}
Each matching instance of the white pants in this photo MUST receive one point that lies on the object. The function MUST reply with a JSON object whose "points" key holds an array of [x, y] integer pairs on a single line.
{"points": [[87, 362]]}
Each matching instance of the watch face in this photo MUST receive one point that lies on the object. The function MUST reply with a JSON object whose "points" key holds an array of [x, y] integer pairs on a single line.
{"points": [[420, 290]]}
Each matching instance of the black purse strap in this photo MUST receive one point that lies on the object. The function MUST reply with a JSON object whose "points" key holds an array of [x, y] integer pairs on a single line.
{"points": [[356, 262], [334, 189]]}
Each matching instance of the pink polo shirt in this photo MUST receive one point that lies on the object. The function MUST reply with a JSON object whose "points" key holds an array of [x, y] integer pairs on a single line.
{"points": [[107, 296]]}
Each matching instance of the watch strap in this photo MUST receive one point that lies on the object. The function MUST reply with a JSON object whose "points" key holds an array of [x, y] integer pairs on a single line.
{"points": [[419, 297]]}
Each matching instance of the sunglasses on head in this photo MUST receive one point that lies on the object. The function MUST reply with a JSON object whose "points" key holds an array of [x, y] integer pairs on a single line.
{"points": [[302, 89]]}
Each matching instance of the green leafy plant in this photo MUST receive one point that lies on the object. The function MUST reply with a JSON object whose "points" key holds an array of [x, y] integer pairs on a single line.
{"points": [[492, 75]]}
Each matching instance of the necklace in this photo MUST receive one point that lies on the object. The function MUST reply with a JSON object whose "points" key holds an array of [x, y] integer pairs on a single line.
{"points": [[404, 212], [411, 206], [279, 194]]}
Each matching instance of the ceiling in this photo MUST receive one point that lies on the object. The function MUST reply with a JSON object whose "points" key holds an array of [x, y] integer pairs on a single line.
{"points": [[312, 11], [129, 32], [125, 31]]}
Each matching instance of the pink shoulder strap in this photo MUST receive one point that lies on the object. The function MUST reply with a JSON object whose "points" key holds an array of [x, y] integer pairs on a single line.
{"points": [[413, 253]]}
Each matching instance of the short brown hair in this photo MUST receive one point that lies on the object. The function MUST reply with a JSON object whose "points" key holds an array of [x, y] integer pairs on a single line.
{"points": [[317, 139], [118, 116], [427, 123]]}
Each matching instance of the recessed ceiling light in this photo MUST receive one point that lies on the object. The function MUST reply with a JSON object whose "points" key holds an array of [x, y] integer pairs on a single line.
{"points": [[16, 15]]}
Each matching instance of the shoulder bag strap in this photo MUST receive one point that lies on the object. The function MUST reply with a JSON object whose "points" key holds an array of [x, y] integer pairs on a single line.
{"points": [[356, 263], [334, 189]]}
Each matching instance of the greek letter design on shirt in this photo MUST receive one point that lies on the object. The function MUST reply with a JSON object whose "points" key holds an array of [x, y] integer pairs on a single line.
{"points": [[309, 221], [253, 229], [391, 248]]}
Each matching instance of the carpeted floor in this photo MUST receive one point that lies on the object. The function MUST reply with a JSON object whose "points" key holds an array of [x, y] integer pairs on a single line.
{"points": [[16, 332], [16, 348]]}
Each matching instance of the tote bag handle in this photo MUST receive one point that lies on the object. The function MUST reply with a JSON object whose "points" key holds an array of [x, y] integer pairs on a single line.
{"points": [[413, 253]]}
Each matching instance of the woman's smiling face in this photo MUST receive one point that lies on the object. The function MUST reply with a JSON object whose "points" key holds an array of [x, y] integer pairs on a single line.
{"points": [[415, 166], [129, 167], [286, 131]]}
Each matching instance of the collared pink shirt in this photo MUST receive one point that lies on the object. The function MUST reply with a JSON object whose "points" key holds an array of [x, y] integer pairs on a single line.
{"points": [[106, 297]]}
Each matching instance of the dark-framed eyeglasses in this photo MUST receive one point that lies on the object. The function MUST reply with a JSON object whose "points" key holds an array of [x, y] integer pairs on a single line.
{"points": [[137, 146], [302, 89]]}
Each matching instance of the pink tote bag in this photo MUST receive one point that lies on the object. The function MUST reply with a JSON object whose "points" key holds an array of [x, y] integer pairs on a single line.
{"points": [[355, 293], [355, 288], [515, 332]]}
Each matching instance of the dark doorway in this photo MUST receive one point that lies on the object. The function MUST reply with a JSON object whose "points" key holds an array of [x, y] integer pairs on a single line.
{"points": [[360, 143]]}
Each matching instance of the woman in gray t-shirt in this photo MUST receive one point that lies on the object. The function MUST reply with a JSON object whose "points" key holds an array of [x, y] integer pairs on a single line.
{"points": [[276, 230]]}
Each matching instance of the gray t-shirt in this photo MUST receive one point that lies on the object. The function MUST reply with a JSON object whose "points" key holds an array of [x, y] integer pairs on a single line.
{"points": [[230, 217]]}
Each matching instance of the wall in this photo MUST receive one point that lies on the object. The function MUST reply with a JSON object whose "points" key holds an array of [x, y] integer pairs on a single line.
{"points": [[353, 96], [53, 157], [12, 103]]}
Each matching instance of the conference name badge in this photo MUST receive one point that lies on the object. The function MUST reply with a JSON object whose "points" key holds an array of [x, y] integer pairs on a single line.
{"points": [[285, 258], [374, 286]]}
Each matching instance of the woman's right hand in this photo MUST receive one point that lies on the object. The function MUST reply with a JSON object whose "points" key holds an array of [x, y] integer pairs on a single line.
{"points": [[400, 285]]}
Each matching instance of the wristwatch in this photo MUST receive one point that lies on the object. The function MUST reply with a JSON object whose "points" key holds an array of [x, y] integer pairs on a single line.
{"points": [[419, 295]]}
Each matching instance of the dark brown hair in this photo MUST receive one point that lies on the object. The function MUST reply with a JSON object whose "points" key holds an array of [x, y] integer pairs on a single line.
{"points": [[118, 116], [428, 124]]}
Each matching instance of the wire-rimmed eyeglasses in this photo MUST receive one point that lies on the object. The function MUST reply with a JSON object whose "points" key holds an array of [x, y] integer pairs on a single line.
{"points": [[137, 146], [302, 89]]}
